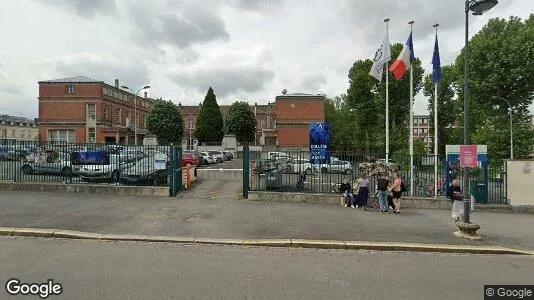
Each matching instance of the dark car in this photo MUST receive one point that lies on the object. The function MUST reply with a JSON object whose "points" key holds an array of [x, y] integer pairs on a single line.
{"points": [[151, 170], [229, 155]]}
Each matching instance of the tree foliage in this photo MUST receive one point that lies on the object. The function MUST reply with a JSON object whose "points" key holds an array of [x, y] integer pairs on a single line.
{"points": [[165, 121], [449, 108], [209, 127], [241, 122], [501, 63], [344, 133]]}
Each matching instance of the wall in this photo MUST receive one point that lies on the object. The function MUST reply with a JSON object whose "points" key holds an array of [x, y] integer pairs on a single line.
{"points": [[520, 177]]}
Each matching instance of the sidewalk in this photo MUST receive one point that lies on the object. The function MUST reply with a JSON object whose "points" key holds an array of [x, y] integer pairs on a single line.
{"points": [[210, 214]]}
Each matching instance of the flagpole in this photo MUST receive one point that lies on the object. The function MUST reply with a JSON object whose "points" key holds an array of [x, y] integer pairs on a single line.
{"points": [[411, 118], [436, 130], [387, 98]]}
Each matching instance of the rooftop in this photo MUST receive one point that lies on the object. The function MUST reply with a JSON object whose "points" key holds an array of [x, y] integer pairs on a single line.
{"points": [[76, 79], [8, 118]]}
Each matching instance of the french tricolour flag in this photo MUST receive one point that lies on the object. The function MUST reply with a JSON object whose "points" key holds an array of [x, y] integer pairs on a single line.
{"points": [[404, 61]]}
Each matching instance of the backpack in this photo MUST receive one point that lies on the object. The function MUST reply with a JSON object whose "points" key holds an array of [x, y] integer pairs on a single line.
{"points": [[403, 187]]}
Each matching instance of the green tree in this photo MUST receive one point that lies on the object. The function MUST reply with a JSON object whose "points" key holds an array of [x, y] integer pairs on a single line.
{"points": [[338, 114], [500, 64], [165, 121], [449, 107], [361, 98], [240, 121], [209, 127]]}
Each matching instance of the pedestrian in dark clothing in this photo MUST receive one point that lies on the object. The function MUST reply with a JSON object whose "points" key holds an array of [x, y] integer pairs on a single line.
{"points": [[346, 189], [363, 192]]}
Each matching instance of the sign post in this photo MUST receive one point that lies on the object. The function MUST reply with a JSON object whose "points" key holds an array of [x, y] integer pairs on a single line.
{"points": [[320, 147], [468, 159]]}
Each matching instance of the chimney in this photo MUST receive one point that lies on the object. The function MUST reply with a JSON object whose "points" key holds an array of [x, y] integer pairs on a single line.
{"points": [[146, 93], [117, 83]]}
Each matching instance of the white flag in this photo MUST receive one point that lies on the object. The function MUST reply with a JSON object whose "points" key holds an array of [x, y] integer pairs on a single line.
{"points": [[382, 55]]}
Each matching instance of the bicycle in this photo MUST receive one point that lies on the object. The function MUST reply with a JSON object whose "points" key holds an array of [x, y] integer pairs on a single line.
{"points": [[429, 190]]}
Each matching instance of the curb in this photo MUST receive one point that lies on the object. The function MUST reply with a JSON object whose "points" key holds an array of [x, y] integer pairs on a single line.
{"points": [[287, 243]]}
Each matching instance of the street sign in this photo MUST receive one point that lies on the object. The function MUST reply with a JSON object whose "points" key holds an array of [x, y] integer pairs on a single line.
{"points": [[320, 143], [468, 156]]}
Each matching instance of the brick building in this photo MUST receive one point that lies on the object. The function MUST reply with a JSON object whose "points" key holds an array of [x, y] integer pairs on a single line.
{"points": [[18, 128], [265, 120], [84, 110], [294, 114], [284, 123]]}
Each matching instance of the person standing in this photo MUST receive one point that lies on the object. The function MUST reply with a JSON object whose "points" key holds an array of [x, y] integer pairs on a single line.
{"points": [[382, 187], [363, 192], [396, 189], [454, 193]]}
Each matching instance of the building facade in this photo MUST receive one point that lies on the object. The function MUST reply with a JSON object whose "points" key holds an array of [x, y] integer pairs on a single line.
{"points": [[18, 128], [84, 110], [265, 122], [421, 130], [294, 114]]}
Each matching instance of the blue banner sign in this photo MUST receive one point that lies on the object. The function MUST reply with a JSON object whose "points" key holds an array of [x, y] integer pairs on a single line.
{"points": [[90, 158], [320, 143]]}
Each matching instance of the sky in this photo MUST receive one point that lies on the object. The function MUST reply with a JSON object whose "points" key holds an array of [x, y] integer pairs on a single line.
{"points": [[247, 50]]}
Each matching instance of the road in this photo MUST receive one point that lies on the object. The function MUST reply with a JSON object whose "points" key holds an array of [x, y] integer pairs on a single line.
{"points": [[129, 270]]}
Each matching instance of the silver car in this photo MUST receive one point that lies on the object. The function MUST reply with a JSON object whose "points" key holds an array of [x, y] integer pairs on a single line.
{"points": [[108, 172], [218, 155]]}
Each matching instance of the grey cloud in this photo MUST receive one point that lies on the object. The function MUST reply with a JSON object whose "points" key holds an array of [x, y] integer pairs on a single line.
{"points": [[225, 81], [133, 75], [183, 28], [258, 5], [85, 8], [449, 14], [313, 82]]}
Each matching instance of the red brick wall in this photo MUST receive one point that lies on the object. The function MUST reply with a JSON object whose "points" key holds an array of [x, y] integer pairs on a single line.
{"points": [[81, 90], [61, 111], [293, 136], [302, 110]]}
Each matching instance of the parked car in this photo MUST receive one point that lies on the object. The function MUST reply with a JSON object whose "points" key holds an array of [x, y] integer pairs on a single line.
{"points": [[111, 171], [151, 170], [301, 166], [196, 155], [189, 159], [337, 166], [218, 155], [208, 158], [47, 162], [229, 155]]}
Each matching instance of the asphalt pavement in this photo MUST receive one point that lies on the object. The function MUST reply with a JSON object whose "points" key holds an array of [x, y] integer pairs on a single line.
{"points": [[129, 270], [213, 210]]}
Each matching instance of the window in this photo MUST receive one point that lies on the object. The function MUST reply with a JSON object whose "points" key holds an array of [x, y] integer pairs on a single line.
{"points": [[128, 118], [425, 121], [145, 117], [70, 89], [137, 119], [91, 137], [118, 116], [262, 123], [4, 134], [415, 130], [425, 130], [91, 111], [268, 123], [61, 135]]}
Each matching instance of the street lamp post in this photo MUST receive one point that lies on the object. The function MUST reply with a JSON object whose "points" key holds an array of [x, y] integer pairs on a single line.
{"points": [[135, 107], [511, 127], [478, 7]]}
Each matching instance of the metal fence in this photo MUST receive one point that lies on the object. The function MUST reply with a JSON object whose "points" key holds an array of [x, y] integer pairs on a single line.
{"points": [[291, 171], [85, 163], [232, 175]]}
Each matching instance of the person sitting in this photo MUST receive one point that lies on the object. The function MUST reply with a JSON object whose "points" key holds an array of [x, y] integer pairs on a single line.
{"points": [[348, 197]]}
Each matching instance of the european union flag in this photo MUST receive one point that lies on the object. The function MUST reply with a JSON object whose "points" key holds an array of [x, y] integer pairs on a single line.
{"points": [[436, 64]]}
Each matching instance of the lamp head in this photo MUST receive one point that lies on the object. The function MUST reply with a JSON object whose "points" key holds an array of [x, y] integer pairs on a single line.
{"points": [[146, 87], [479, 7], [125, 87]]}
